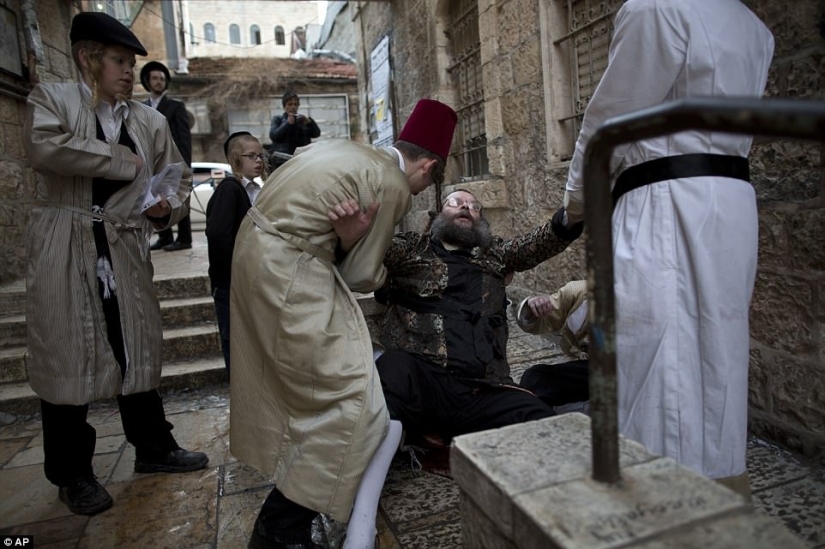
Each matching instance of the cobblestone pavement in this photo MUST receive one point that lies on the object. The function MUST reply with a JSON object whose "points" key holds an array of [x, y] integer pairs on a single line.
{"points": [[215, 507]]}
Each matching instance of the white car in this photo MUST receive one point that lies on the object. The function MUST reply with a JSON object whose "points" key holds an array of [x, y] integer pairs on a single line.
{"points": [[205, 177]]}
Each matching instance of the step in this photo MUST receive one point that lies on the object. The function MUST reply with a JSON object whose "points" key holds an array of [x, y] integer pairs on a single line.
{"points": [[13, 295], [179, 344], [174, 312], [12, 331], [184, 312], [18, 399], [13, 299]]}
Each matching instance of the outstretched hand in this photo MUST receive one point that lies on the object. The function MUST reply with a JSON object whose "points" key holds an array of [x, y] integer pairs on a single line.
{"points": [[350, 222], [540, 306]]}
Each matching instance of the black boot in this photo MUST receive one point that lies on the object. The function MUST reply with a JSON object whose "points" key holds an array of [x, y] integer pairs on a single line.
{"points": [[85, 496], [160, 243]]}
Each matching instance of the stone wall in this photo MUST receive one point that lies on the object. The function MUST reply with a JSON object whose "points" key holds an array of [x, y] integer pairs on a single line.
{"points": [[50, 61], [787, 378], [526, 85]]}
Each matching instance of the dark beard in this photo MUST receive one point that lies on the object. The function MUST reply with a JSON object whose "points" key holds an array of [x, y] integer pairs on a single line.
{"points": [[446, 231]]}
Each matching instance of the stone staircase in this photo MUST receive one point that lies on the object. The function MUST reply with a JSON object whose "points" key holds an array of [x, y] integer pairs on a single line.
{"points": [[191, 347]]}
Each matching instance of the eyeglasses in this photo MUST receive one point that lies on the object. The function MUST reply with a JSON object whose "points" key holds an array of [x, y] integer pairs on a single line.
{"points": [[253, 157], [456, 203]]}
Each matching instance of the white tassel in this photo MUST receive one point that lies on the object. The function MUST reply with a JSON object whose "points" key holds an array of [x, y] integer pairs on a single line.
{"points": [[106, 276]]}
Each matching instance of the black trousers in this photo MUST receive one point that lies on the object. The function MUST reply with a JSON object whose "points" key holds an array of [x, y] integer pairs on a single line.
{"points": [[184, 232], [69, 440], [427, 399], [557, 384]]}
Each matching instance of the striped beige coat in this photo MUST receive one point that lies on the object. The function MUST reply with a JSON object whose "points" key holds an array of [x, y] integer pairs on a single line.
{"points": [[306, 400], [70, 360]]}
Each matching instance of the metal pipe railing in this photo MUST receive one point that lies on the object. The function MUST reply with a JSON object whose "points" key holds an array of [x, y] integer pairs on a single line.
{"points": [[767, 117]]}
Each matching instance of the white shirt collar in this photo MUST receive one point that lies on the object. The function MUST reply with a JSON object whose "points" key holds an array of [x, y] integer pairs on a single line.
{"points": [[400, 156], [155, 101], [110, 118], [252, 189]]}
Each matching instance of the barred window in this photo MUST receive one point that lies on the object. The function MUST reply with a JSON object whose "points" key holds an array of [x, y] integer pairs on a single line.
{"points": [[280, 40], [590, 29], [470, 143]]}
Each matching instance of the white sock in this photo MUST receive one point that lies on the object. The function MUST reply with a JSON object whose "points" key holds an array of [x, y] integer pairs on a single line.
{"points": [[361, 529]]}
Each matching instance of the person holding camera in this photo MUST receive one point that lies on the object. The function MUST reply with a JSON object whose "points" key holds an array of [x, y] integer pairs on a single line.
{"points": [[290, 130]]}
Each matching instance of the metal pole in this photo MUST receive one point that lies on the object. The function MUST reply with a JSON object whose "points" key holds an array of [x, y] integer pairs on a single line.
{"points": [[773, 117]]}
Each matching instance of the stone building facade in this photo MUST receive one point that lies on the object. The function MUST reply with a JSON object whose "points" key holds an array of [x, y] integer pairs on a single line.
{"points": [[506, 66]]}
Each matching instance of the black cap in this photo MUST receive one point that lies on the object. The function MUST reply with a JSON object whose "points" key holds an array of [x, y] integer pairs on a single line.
{"points": [[103, 28], [153, 66], [230, 138]]}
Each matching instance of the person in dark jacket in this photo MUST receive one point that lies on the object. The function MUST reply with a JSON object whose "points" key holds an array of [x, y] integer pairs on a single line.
{"points": [[226, 209], [155, 79], [291, 129]]}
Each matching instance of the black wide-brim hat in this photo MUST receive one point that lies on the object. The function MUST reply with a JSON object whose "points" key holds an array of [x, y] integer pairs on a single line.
{"points": [[153, 66], [105, 29]]}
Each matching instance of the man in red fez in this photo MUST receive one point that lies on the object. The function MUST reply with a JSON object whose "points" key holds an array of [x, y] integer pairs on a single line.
{"points": [[307, 406], [94, 325]]}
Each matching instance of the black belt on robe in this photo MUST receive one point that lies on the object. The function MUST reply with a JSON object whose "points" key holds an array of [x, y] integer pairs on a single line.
{"points": [[677, 167]]}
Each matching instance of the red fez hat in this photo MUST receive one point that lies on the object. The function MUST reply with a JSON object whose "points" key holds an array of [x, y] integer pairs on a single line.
{"points": [[431, 126], [105, 29]]}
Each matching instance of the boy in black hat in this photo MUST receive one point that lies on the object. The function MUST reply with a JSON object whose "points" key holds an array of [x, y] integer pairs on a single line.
{"points": [[155, 79], [94, 326]]}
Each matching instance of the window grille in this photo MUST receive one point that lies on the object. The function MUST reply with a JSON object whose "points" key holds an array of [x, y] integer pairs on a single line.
{"points": [[280, 40], [590, 24], [470, 144]]}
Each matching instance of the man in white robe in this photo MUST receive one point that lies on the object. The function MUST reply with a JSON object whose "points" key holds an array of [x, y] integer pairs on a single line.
{"points": [[684, 247]]}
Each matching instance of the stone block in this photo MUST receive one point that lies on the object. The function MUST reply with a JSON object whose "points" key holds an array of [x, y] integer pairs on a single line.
{"points": [[743, 530], [759, 393], [515, 112], [495, 467], [651, 499], [478, 530], [798, 391], [527, 63], [11, 179], [781, 316], [508, 25]]}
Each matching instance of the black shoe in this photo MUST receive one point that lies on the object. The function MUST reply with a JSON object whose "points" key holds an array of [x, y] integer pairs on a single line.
{"points": [[176, 461], [85, 496], [175, 246], [160, 243]]}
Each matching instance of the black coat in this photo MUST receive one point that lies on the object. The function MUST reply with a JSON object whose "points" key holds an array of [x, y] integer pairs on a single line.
{"points": [[226, 209], [175, 113]]}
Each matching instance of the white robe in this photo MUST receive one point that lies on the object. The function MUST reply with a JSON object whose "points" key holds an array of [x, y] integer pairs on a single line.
{"points": [[684, 250]]}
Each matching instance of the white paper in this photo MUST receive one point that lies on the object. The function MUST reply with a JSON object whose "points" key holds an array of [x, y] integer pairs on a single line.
{"points": [[162, 185]]}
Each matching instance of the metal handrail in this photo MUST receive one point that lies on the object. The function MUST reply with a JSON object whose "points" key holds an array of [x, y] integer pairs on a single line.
{"points": [[799, 119]]}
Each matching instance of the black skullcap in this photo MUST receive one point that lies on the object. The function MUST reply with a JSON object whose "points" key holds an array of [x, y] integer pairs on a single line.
{"points": [[230, 138], [103, 28], [153, 66]]}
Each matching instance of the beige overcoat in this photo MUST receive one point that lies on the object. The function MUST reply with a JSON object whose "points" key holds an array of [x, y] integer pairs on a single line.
{"points": [[306, 401], [70, 360]]}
